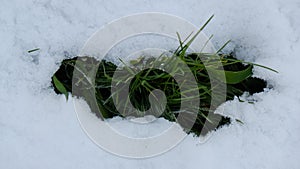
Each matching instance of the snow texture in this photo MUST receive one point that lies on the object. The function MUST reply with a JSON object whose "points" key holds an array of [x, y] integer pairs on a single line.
{"points": [[39, 129]]}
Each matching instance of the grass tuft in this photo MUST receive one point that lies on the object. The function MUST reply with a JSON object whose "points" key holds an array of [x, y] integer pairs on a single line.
{"points": [[238, 79]]}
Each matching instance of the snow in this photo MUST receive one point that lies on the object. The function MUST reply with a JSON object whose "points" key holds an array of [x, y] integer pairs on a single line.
{"points": [[39, 129]]}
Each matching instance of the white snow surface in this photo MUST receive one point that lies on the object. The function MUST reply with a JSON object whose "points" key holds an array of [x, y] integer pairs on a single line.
{"points": [[39, 129]]}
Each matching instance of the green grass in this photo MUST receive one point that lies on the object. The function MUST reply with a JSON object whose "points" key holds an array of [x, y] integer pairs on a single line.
{"points": [[238, 79]]}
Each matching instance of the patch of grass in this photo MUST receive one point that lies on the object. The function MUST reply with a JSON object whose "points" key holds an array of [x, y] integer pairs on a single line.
{"points": [[239, 75], [238, 79]]}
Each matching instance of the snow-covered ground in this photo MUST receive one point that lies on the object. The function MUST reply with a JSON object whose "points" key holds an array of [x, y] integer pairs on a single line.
{"points": [[39, 129]]}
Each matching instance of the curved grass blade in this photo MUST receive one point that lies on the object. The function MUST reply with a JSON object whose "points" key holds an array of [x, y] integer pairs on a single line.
{"points": [[255, 64], [60, 87], [234, 77]]}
